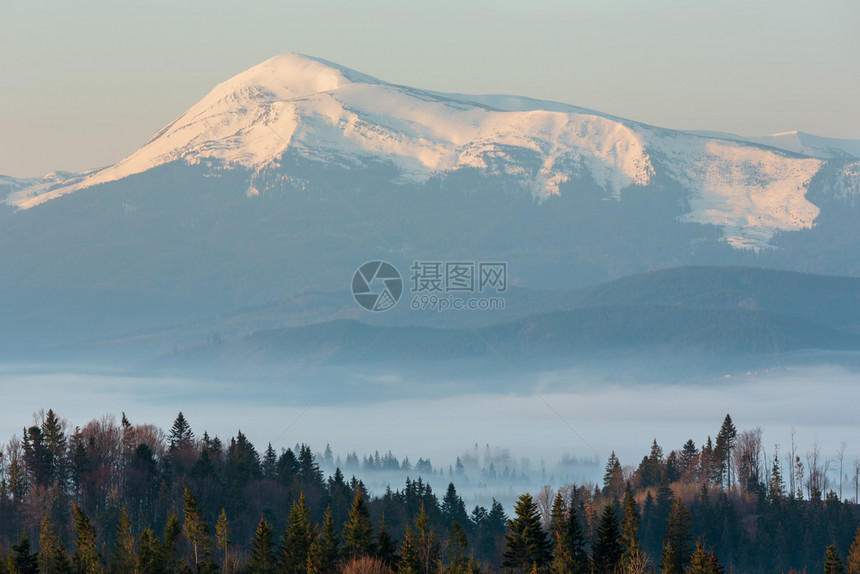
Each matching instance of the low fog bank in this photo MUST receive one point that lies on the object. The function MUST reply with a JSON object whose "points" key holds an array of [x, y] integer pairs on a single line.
{"points": [[558, 427]]}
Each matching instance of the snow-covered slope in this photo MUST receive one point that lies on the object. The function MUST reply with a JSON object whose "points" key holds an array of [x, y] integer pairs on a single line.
{"points": [[324, 112], [799, 143]]}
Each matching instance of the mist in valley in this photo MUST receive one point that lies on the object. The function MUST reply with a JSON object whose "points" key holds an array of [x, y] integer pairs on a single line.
{"points": [[534, 428]]}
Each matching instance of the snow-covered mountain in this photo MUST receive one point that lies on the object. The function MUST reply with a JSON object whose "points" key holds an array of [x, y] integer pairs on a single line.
{"points": [[285, 179], [799, 143], [306, 107]]}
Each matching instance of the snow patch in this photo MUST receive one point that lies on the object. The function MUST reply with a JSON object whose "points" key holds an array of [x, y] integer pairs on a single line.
{"points": [[748, 191]]}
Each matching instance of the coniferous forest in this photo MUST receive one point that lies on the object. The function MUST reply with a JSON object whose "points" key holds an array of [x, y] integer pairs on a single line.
{"points": [[118, 497]]}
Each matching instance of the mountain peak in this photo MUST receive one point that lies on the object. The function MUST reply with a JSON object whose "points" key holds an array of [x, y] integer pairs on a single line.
{"points": [[290, 76], [306, 108]]}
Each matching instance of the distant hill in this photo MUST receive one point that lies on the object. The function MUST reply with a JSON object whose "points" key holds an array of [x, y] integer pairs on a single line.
{"points": [[708, 312]]}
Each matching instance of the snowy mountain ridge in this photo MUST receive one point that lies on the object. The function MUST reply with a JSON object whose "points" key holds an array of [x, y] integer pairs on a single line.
{"points": [[324, 112]]}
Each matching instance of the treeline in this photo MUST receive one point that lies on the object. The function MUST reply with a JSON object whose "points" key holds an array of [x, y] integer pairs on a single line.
{"points": [[119, 497]]}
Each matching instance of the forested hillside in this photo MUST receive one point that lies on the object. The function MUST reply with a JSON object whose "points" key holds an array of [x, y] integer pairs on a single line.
{"points": [[121, 497]]}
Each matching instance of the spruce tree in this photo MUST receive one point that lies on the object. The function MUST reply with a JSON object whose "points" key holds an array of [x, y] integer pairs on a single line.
{"points": [[21, 560], [328, 545], [150, 556], [527, 544], [269, 464], [775, 484], [562, 561], [261, 554], [358, 530], [296, 542], [180, 435], [222, 537], [852, 563], [427, 544], [703, 562], [456, 551], [612, 476], [54, 436], [630, 523], [676, 541], [607, 551], [197, 532], [386, 547], [832, 562], [122, 558], [453, 507], [172, 532], [568, 556], [576, 540], [408, 562], [86, 558], [688, 456], [52, 556], [723, 449]]}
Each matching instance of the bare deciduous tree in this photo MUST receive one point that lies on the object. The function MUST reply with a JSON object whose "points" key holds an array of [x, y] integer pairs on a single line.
{"points": [[544, 499], [840, 455], [749, 459]]}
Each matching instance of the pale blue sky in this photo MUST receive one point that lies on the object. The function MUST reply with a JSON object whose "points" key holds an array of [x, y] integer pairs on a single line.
{"points": [[82, 84]]}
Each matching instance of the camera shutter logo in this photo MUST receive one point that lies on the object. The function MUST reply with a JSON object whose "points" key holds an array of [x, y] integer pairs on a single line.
{"points": [[377, 286]]}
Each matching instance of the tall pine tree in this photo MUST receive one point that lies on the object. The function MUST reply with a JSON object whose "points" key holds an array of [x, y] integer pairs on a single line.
{"points": [[52, 555], [358, 530], [832, 562], [607, 550], [527, 543], [86, 558], [261, 554], [296, 542], [676, 541], [630, 523], [123, 559], [852, 563], [197, 532]]}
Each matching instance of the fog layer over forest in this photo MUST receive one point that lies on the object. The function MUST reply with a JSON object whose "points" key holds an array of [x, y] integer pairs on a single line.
{"points": [[560, 428]]}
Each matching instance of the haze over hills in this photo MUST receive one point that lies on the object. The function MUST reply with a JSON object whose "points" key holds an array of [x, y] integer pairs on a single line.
{"points": [[720, 317], [284, 179]]}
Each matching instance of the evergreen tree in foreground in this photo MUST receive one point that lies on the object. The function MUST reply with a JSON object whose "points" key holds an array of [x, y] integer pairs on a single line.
{"points": [[607, 551], [21, 561], [676, 541], [408, 562], [52, 555], [122, 559], [150, 557], [298, 537], [172, 532], [427, 545], [458, 561], [358, 530], [86, 558], [527, 543], [386, 546], [197, 532], [327, 545], [832, 562], [222, 538], [630, 526], [703, 562], [261, 555], [852, 563]]}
